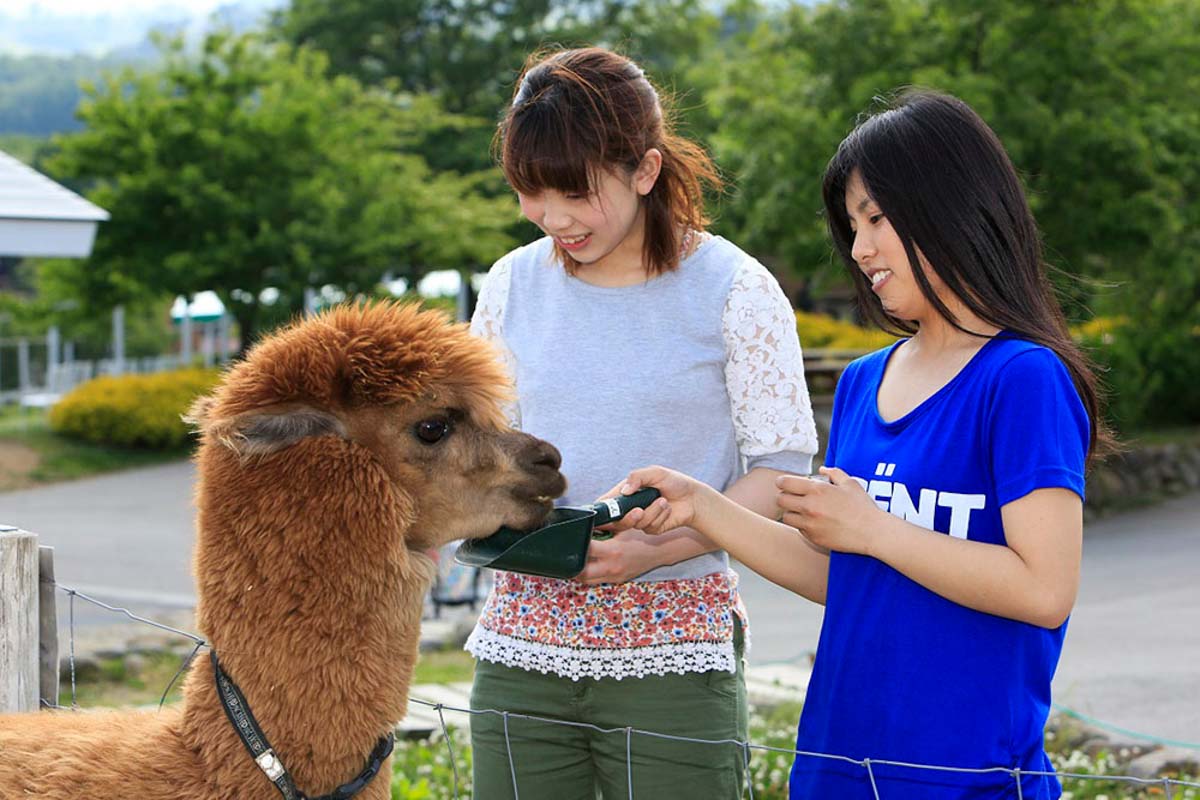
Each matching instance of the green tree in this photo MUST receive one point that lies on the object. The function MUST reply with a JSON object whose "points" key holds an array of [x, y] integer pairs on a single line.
{"points": [[467, 54], [1097, 102], [247, 167]]}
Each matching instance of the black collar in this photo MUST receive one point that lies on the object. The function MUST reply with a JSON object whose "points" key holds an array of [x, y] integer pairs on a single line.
{"points": [[260, 750]]}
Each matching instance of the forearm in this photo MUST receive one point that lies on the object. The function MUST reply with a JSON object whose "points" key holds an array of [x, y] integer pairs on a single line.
{"points": [[985, 577], [754, 491], [776, 551]]}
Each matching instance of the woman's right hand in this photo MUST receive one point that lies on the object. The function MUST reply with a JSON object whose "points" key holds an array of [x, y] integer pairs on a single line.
{"points": [[675, 509]]}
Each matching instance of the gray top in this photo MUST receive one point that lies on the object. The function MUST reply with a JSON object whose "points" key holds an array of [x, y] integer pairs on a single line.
{"points": [[698, 369]]}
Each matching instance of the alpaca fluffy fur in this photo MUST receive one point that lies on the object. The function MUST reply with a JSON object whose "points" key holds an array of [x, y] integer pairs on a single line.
{"points": [[315, 499]]}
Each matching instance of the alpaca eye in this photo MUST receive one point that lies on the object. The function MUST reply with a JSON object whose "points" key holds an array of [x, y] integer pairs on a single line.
{"points": [[432, 431]]}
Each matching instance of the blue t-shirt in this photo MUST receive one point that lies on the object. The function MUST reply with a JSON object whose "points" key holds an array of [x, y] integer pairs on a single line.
{"points": [[903, 674]]}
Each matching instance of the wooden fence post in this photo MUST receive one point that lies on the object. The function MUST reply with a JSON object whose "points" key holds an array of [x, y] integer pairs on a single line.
{"points": [[47, 627], [18, 620]]}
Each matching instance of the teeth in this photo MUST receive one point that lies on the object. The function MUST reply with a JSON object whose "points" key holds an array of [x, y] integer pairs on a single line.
{"points": [[572, 240], [878, 276]]}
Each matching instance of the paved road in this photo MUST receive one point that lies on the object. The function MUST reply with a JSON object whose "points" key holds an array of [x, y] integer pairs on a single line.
{"points": [[1132, 657]]}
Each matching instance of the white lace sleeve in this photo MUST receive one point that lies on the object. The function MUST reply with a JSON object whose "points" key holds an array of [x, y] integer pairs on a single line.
{"points": [[488, 323], [764, 374]]}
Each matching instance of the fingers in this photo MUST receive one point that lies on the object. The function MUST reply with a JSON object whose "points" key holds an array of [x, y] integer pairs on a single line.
{"points": [[796, 496], [800, 484], [835, 475], [646, 476], [630, 520], [652, 519]]}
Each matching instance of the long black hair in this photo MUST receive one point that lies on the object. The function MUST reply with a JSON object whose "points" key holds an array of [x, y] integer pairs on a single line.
{"points": [[948, 188]]}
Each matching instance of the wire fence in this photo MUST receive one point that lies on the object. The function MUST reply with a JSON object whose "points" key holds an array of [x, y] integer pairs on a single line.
{"points": [[1167, 785]]}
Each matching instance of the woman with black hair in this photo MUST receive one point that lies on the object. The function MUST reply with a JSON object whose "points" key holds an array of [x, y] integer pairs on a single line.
{"points": [[945, 541]]}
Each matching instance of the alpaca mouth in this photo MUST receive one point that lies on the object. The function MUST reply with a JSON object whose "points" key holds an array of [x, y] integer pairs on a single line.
{"points": [[538, 509]]}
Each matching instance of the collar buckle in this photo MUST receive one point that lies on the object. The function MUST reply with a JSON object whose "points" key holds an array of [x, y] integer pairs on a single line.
{"points": [[270, 764]]}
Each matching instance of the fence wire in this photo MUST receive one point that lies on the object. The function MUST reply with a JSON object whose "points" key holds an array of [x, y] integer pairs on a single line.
{"points": [[1166, 784]]}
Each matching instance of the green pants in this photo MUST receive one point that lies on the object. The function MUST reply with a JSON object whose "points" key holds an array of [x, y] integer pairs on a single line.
{"points": [[562, 762]]}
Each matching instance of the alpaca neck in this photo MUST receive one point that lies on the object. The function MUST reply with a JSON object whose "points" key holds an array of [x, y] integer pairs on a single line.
{"points": [[322, 693], [313, 604]]}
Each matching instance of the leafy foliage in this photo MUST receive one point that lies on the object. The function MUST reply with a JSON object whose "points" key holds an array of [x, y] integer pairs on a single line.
{"points": [[1095, 102], [820, 330], [132, 410], [468, 53], [264, 163], [248, 168]]}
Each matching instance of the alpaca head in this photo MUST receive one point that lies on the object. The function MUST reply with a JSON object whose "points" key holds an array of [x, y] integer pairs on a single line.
{"points": [[391, 401]]}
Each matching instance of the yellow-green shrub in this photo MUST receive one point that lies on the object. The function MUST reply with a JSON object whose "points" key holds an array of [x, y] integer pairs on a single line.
{"points": [[132, 410], [1098, 330], [820, 330]]}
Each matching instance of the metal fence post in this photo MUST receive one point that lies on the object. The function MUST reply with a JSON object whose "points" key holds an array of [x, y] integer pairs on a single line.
{"points": [[18, 620], [24, 381], [118, 340]]}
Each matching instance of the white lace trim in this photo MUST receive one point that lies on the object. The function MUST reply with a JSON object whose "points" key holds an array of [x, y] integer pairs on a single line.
{"points": [[764, 367], [636, 662], [488, 323]]}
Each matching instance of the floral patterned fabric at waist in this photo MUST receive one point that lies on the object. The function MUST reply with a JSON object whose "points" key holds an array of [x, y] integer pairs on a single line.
{"points": [[611, 630]]}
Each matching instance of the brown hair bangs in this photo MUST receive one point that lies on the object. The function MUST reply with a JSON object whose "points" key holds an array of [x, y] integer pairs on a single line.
{"points": [[542, 150], [578, 113]]}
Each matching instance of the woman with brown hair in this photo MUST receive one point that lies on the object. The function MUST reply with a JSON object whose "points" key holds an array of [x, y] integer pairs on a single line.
{"points": [[633, 335]]}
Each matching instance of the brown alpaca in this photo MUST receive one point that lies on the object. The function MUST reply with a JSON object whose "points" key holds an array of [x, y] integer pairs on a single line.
{"points": [[329, 459]]}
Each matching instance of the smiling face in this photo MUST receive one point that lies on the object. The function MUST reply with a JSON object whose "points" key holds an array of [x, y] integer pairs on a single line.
{"points": [[879, 252], [604, 226]]}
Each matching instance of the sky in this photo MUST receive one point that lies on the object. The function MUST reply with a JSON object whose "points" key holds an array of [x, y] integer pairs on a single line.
{"points": [[94, 7], [64, 27]]}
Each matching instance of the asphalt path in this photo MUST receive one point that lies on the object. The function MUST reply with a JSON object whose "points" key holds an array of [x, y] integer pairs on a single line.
{"points": [[1131, 659]]}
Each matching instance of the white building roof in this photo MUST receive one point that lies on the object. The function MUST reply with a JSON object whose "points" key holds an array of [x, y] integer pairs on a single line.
{"points": [[38, 217]]}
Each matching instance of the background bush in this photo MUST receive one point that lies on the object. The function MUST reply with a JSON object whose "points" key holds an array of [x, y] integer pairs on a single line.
{"points": [[821, 330], [132, 410], [1151, 372]]}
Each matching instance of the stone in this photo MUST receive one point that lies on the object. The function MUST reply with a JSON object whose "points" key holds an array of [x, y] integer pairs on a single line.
{"points": [[1165, 760], [135, 663]]}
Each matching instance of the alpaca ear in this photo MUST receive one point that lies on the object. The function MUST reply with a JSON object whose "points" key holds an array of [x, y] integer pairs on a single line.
{"points": [[197, 415], [263, 433]]}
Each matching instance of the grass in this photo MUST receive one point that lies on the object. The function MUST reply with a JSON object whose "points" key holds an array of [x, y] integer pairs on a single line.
{"points": [[46, 457], [422, 768], [119, 681], [445, 666], [1185, 434], [113, 682]]}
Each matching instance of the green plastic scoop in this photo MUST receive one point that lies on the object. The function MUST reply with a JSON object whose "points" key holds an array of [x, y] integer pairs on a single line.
{"points": [[559, 548]]}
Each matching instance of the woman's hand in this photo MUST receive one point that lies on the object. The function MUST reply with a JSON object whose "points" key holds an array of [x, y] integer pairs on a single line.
{"points": [[676, 508], [838, 515], [622, 558]]}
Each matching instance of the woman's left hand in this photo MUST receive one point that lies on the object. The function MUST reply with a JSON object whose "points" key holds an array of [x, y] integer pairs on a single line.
{"points": [[838, 515], [622, 558]]}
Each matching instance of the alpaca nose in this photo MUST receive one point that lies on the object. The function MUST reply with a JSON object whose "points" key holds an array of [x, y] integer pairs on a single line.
{"points": [[540, 460], [543, 454]]}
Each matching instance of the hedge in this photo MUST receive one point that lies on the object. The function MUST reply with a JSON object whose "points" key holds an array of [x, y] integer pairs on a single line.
{"points": [[132, 410], [822, 331]]}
